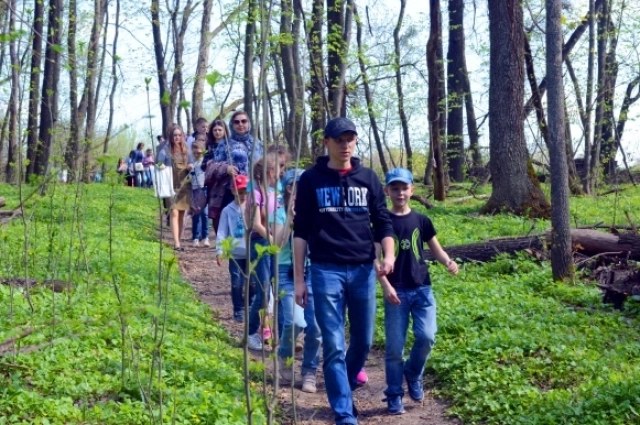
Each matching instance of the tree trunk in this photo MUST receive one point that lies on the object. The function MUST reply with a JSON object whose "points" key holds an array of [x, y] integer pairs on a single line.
{"points": [[367, 92], [561, 256], [12, 169], [339, 20], [114, 85], [49, 97], [72, 150], [574, 178], [317, 98], [515, 186], [434, 61], [90, 82], [472, 125], [33, 142], [455, 91], [197, 97], [249, 40], [179, 32], [535, 96], [161, 71], [404, 122], [609, 149]]}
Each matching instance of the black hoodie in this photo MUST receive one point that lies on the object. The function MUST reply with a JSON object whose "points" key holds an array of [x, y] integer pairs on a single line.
{"points": [[340, 215]]}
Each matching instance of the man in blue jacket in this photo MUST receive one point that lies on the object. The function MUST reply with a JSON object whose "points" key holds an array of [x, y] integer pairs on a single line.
{"points": [[340, 212]]}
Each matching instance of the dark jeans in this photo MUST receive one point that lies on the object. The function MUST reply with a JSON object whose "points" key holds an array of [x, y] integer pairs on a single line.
{"points": [[262, 274], [237, 266]]}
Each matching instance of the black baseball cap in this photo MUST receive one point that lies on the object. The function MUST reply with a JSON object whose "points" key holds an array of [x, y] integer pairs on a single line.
{"points": [[337, 126]]}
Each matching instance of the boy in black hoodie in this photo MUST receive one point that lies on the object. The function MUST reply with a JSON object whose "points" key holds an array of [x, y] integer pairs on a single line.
{"points": [[340, 211]]}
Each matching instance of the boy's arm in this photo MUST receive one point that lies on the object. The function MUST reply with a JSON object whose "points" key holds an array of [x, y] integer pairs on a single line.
{"points": [[382, 226], [442, 256], [387, 289], [299, 254]]}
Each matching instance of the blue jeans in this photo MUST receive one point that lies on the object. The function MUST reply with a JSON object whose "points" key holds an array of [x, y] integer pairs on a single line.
{"points": [[200, 223], [289, 333], [420, 304], [336, 288], [237, 267], [262, 275], [148, 178]]}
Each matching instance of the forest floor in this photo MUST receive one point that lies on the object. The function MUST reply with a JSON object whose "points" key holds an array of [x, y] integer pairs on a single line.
{"points": [[212, 285]]}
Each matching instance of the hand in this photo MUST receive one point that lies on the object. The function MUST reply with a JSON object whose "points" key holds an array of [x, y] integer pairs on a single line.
{"points": [[452, 267], [391, 295], [377, 266], [219, 261], [386, 267], [302, 296], [189, 167], [232, 171]]}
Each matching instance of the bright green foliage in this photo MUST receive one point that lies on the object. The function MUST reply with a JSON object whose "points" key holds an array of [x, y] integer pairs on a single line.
{"points": [[515, 347], [77, 379]]}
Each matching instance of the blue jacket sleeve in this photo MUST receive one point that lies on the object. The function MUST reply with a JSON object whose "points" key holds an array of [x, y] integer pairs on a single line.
{"points": [[305, 207], [220, 155], [379, 212]]}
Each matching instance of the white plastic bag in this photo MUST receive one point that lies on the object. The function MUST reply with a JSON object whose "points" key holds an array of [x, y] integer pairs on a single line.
{"points": [[298, 316], [163, 182]]}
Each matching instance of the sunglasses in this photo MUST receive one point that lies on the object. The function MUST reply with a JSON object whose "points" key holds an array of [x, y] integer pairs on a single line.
{"points": [[240, 121]]}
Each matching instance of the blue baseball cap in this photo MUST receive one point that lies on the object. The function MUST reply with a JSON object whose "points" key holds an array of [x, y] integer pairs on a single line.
{"points": [[291, 175], [337, 126], [399, 175]]}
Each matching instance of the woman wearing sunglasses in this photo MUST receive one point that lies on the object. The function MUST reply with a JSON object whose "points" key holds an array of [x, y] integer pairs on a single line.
{"points": [[237, 151]]}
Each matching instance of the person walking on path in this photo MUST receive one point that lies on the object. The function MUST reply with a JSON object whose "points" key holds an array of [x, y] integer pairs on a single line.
{"points": [[176, 154], [199, 219], [407, 293], [340, 212]]}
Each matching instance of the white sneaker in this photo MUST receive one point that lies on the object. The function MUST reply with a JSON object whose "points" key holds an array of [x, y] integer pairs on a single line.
{"points": [[309, 383], [206, 243], [196, 243], [286, 370], [255, 342]]}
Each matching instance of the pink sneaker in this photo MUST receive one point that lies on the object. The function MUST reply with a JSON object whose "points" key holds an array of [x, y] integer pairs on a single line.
{"points": [[266, 333], [362, 377]]}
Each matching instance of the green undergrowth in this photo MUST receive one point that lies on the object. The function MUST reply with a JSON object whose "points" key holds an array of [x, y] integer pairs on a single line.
{"points": [[514, 347], [68, 370]]}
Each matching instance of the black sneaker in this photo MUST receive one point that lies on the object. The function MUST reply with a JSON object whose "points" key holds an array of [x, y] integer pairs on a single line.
{"points": [[394, 405], [415, 390]]}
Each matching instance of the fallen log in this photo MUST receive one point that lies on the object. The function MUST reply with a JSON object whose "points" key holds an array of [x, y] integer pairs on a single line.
{"points": [[2, 202], [487, 250], [587, 241]]}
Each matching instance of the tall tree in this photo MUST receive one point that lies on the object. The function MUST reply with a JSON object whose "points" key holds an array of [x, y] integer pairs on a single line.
{"points": [[367, 90], [12, 152], [114, 81], [317, 96], [249, 41], [515, 186], [339, 19], [197, 96], [436, 96], [561, 256], [33, 144], [49, 97], [456, 67], [75, 122], [404, 122]]}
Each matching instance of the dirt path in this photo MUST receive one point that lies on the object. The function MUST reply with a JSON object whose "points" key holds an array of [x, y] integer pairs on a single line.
{"points": [[211, 283]]}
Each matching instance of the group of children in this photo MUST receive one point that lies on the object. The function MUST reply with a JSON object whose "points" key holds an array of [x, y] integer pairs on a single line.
{"points": [[336, 238]]}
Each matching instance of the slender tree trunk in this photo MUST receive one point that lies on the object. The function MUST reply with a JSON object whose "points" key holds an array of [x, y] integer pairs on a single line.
{"points": [[515, 186], [455, 91], [404, 122], [561, 255], [472, 125], [72, 149], [197, 97], [367, 91], [574, 179], [338, 34], [317, 98], [90, 83], [434, 61], [49, 106], [33, 142], [609, 150], [249, 40], [12, 153], [161, 70], [594, 164], [535, 96], [588, 134], [114, 82]]}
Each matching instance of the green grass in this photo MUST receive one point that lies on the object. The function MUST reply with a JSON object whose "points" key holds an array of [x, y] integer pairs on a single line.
{"points": [[77, 379], [514, 347]]}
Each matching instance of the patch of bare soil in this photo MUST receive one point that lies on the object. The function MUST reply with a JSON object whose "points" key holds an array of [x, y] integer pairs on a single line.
{"points": [[212, 284]]}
